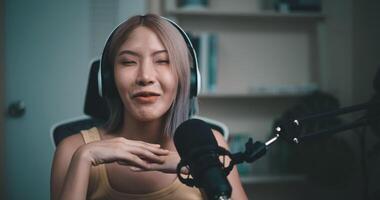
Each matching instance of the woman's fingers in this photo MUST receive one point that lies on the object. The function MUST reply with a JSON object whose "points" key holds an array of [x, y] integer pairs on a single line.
{"points": [[160, 167], [126, 152], [143, 152], [146, 154], [150, 144], [154, 148], [136, 169], [157, 151], [168, 163], [168, 166]]}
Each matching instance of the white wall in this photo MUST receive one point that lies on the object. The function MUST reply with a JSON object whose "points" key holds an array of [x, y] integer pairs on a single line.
{"points": [[2, 190], [47, 62], [48, 49]]}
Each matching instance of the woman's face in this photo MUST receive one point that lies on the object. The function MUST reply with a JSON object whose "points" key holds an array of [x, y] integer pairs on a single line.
{"points": [[144, 78]]}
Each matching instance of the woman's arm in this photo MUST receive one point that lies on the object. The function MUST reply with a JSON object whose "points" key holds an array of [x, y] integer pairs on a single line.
{"points": [[77, 177], [72, 162], [65, 164]]}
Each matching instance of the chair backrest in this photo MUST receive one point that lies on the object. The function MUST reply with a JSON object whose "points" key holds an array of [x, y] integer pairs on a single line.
{"points": [[95, 110], [97, 113], [94, 105], [72, 126]]}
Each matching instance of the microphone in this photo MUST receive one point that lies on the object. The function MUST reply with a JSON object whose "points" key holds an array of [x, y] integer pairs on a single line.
{"points": [[199, 151]]}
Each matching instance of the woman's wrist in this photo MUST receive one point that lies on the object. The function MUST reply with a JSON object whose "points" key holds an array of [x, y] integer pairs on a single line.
{"points": [[83, 154]]}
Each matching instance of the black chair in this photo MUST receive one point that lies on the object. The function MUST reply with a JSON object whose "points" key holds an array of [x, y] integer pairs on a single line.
{"points": [[96, 112]]}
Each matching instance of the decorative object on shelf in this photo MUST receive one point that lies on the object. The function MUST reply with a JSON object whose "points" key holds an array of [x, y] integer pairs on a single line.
{"points": [[206, 47], [283, 89], [193, 4], [284, 6]]}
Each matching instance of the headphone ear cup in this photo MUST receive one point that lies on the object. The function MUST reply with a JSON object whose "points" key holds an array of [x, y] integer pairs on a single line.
{"points": [[105, 81], [108, 86], [195, 81]]}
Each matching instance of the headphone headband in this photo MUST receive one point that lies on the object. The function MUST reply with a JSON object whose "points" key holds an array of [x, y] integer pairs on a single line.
{"points": [[195, 81], [106, 83]]}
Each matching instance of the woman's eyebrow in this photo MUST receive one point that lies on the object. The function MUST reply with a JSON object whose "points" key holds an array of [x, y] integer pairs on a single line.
{"points": [[137, 54], [129, 52], [159, 51]]}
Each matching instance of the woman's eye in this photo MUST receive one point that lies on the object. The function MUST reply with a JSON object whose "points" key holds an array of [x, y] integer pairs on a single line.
{"points": [[128, 62], [163, 61]]}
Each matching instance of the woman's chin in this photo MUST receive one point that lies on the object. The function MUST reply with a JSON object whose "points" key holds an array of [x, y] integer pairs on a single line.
{"points": [[148, 117]]}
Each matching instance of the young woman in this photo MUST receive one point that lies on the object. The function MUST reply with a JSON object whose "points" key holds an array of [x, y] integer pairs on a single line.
{"points": [[147, 65]]}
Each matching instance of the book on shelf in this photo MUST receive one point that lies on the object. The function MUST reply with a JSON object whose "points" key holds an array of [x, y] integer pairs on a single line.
{"points": [[193, 5], [283, 89], [298, 6], [213, 63], [206, 48]]}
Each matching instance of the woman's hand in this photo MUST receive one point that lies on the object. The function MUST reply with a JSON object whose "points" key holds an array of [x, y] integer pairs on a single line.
{"points": [[169, 164], [126, 152]]}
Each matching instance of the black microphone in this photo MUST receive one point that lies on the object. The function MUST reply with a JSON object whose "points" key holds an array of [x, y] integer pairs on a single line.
{"points": [[198, 150]]}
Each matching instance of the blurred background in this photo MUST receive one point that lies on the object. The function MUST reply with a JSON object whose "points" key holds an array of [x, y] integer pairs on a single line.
{"points": [[261, 60]]}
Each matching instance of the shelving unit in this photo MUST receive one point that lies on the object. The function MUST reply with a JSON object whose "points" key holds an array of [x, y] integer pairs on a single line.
{"points": [[265, 179], [250, 95], [252, 15], [257, 48]]}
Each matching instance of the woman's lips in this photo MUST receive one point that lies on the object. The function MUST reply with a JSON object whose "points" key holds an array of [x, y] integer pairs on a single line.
{"points": [[146, 97]]}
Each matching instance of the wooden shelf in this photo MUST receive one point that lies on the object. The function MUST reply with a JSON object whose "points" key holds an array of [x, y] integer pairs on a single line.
{"points": [[251, 95], [263, 179], [262, 14]]}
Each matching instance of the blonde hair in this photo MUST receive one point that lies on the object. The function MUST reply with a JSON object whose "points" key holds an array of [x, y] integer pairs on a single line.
{"points": [[180, 61]]}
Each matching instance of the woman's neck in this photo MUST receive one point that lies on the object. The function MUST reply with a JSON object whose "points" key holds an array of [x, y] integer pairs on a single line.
{"points": [[150, 131]]}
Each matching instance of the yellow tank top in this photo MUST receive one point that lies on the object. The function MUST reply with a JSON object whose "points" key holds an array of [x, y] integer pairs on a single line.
{"points": [[103, 190]]}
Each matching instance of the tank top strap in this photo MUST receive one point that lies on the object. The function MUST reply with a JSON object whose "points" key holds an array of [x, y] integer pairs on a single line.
{"points": [[90, 135]]}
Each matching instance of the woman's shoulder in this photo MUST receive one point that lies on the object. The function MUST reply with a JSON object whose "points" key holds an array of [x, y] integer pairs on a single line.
{"points": [[76, 140], [70, 144], [64, 152], [72, 140]]}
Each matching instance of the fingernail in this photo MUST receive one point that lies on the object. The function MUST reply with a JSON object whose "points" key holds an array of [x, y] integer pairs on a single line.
{"points": [[135, 168]]}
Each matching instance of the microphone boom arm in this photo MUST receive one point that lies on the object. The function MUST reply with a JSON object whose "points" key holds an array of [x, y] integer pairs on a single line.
{"points": [[253, 151], [290, 130]]}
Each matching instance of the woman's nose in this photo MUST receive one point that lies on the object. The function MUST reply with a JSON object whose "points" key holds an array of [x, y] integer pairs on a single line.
{"points": [[146, 73]]}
